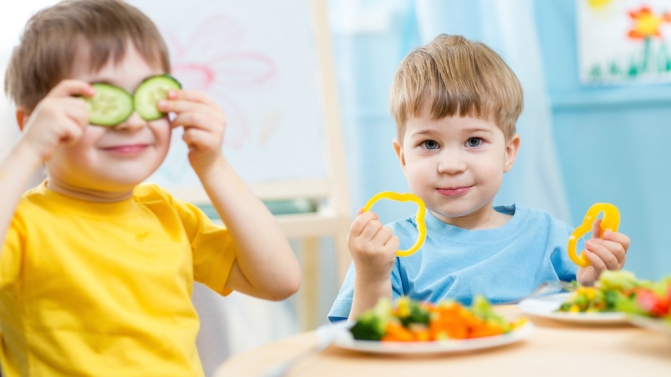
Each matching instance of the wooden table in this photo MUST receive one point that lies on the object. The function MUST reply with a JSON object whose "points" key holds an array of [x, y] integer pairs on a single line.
{"points": [[553, 349]]}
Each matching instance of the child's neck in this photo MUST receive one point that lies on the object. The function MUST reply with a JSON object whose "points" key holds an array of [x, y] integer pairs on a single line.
{"points": [[86, 194], [485, 217]]}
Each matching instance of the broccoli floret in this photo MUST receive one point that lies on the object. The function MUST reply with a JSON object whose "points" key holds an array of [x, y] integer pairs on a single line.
{"points": [[613, 299], [368, 327], [484, 310], [372, 323], [410, 311], [565, 307]]}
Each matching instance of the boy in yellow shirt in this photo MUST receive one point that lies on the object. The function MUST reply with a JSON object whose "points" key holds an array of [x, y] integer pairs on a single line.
{"points": [[97, 268]]}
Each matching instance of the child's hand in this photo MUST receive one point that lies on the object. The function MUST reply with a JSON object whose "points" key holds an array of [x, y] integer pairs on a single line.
{"points": [[204, 124], [60, 118], [373, 247], [607, 253]]}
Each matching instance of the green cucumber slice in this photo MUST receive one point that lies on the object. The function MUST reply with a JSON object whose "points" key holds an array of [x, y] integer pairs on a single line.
{"points": [[150, 91], [110, 105]]}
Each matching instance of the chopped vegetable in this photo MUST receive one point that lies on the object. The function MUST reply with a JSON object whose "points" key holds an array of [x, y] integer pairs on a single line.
{"points": [[620, 291], [415, 321], [372, 324], [617, 280]]}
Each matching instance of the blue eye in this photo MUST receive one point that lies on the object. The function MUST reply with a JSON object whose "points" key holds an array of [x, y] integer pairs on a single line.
{"points": [[430, 144], [473, 142]]}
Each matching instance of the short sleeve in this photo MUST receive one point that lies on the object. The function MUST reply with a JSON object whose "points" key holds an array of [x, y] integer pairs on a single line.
{"points": [[343, 302], [10, 259], [213, 248], [211, 244]]}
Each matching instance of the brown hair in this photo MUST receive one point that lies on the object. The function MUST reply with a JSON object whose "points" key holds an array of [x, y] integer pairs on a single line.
{"points": [[52, 37], [458, 77]]}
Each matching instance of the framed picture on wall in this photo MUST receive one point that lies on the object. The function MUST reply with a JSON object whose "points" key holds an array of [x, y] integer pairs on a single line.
{"points": [[624, 41]]}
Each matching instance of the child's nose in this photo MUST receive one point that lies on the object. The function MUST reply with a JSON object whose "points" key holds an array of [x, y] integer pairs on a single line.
{"points": [[133, 122], [451, 163]]}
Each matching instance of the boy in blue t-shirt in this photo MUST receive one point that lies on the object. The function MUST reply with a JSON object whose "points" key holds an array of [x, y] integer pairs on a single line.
{"points": [[455, 103]]}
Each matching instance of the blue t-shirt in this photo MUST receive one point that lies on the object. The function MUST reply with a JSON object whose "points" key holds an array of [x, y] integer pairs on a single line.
{"points": [[504, 264]]}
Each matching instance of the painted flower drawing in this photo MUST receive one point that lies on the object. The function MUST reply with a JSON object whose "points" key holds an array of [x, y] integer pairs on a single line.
{"points": [[646, 23], [643, 52], [213, 58]]}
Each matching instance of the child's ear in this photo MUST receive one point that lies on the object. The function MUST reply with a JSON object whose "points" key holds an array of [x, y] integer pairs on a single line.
{"points": [[399, 152], [511, 152], [22, 115]]}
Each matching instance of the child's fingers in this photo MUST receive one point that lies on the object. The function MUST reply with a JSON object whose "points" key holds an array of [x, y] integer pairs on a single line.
{"points": [[76, 110], [615, 248], [179, 106], [191, 95], [370, 230], [199, 139], [393, 243], [360, 222], [67, 118], [597, 263], [382, 236], [192, 119], [607, 257], [620, 238], [69, 88], [596, 228]]}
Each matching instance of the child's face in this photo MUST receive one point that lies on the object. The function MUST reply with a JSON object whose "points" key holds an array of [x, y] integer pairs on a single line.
{"points": [[455, 164], [113, 159]]}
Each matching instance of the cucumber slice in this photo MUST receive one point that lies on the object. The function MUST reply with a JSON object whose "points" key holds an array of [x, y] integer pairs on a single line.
{"points": [[110, 105], [150, 91]]}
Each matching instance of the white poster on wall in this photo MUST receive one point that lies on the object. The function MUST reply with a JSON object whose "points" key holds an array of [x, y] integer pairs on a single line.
{"points": [[258, 60], [624, 41]]}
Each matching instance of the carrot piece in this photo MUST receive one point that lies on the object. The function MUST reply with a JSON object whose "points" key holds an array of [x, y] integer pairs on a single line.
{"points": [[422, 335], [395, 332]]}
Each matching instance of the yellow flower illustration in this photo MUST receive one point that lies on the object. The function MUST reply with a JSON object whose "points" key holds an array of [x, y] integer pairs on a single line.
{"points": [[646, 23]]}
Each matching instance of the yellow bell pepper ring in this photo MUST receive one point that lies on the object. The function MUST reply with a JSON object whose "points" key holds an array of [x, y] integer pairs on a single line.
{"points": [[610, 221], [421, 210]]}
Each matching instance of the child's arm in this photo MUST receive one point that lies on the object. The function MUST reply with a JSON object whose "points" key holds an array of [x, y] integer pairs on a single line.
{"points": [[58, 119], [265, 265], [373, 248], [607, 253]]}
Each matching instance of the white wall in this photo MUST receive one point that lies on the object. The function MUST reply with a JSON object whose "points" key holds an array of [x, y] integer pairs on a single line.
{"points": [[8, 127], [13, 17]]}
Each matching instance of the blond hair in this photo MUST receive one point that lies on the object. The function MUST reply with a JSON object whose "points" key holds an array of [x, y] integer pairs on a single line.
{"points": [[456, 76], [52, 37]]}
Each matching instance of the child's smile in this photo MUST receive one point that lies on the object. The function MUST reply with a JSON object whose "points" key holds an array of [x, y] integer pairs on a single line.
{"points": [[454, 191], [456, 165], [127, 150]]}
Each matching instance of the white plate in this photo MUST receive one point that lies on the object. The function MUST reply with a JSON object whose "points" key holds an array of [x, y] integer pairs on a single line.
{"points": [[547, 306], [651, 323], [345, 340]]}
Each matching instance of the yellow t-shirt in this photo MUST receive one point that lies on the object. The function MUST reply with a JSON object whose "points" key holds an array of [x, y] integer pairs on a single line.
{"points": [[104, 289]]}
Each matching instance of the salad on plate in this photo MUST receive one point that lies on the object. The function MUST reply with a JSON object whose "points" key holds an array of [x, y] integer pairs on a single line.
{"points": [[415, 327], [614, 299], [621, 291]]}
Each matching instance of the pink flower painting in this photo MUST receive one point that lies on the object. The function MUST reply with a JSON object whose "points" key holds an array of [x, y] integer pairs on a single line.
{"points": [[213, 58]]}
